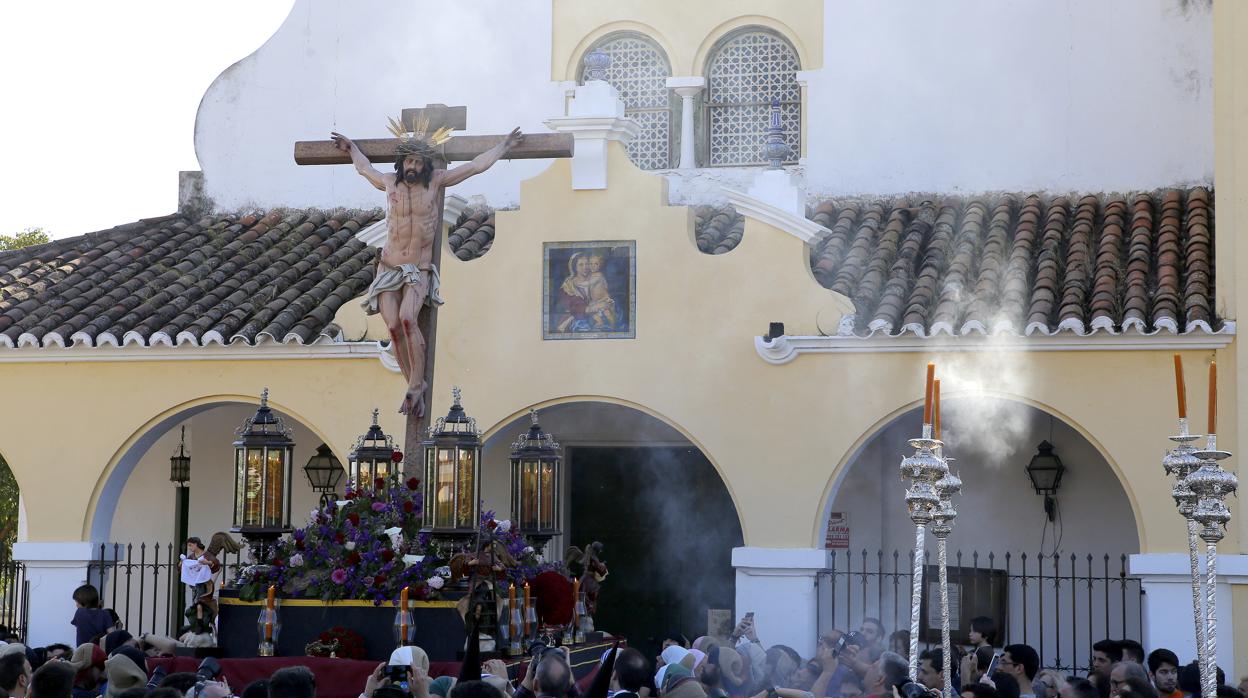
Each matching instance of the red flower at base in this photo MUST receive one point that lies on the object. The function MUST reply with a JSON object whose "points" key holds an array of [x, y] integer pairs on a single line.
{"points": [[553, 592], [379, 483], [379, 580], [339, 538], [354, 518], [353, 558], [413, 484], [387, 555], [397, 456], [278, 562], [408, 507], [492, 524]]}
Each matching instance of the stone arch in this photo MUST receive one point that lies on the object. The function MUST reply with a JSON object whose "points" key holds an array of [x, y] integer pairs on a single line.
{"points": [[97, 524], [852, 454], [744, 22], [511, 418], [572, 69]]}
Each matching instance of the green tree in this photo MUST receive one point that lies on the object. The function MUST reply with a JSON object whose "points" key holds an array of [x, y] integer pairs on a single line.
{"points": [[8, 510], [26, 238]]}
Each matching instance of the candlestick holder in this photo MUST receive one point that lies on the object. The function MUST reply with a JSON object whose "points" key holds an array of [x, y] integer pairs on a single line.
{"points": [[923, 469], [268, 629], [1211, 484], [514, 647], [1179, 463], [942, 525], [404, 628]]}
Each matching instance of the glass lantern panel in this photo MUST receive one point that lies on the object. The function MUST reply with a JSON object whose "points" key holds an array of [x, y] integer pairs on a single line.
{"points": [[444, 516], [528, 495], [240, 486], [466, 482], [253, 478], [381, 469], [548, 496], [275, 486]]}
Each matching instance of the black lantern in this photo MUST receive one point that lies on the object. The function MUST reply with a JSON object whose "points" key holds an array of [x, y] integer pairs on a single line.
{"points": [[535, 473], [263, 453], [324, 472], [374, 457], [180, 463], [180, 476], [453, 475], [1045, 471]]}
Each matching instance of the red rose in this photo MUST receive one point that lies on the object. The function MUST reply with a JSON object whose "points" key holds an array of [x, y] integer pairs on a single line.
{"points": [[278, 562], [349, 495], [353, 558], [387, 554], [413, 484], [354, 518], [408, 506], [339, 538], [492, 524], [379, 580], [379, 483], [299, 545], [397, 456]]}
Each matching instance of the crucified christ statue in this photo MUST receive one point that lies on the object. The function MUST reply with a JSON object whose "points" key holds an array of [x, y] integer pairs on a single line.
{"points": [[406, 276]]}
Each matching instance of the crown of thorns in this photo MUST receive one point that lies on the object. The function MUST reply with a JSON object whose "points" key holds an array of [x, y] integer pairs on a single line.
{"points": [[415, 140]]}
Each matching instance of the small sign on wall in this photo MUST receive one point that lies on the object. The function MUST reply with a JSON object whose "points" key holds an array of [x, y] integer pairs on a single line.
{"points": [[837, 537]]}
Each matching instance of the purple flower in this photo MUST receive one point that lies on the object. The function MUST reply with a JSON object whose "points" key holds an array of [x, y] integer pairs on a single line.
{"points": [[338, 575], [379, 506]]}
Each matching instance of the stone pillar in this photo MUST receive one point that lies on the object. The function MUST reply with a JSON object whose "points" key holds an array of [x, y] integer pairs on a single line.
{"points": [[687, 88], [779, 586], [53, 571], [1167, 605]]}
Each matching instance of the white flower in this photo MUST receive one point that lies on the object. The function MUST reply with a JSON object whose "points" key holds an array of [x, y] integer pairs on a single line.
{"points": [[504, 526], [435, 582], [528, 550], [296, 560], [312, 515], [396, 538], [350, 545], [443, 571], [342, 503], [410, 560]]}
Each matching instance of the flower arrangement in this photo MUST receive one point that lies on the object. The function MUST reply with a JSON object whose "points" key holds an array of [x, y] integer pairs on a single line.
{"points": [[369, 547], [353, 551], [337, 642]]}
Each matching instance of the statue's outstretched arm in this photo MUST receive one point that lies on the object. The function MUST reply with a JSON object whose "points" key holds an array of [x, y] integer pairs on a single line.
{"points": [[362, 165], [482, 162]]}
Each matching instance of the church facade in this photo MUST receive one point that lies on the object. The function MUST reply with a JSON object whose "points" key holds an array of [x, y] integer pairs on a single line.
{"points": [[731, 353]]}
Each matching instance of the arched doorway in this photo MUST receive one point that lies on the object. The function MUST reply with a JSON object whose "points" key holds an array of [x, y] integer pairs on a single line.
{"points": [[1058, 584], [133, 525], [666, 520]]}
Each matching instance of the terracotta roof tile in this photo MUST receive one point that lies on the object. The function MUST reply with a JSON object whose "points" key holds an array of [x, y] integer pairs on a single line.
{"points": [[275, 276], [1022, 264]]}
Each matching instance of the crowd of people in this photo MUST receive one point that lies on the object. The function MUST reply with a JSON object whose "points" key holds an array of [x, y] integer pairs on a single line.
{"points": [[110, 663]]}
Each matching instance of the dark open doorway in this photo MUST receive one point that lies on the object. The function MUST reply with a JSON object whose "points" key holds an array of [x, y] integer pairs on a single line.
{"points": [[668, 527]]}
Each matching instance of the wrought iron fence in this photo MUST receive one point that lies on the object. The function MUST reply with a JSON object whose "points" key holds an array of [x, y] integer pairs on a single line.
{"points": [[14, 596], [1058, 603], [142, 584]]}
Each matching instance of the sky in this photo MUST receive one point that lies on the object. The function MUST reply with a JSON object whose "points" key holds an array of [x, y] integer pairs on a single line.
{"points": [[98, 102]]}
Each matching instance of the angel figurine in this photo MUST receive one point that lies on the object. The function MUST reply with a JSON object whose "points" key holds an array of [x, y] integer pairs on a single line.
{"points": [[199, 568], [593, 572]]}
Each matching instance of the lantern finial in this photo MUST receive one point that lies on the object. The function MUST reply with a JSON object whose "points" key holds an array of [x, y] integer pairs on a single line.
{"points": [[533, 417], [456, 393], [264, 397], [376, 413]]}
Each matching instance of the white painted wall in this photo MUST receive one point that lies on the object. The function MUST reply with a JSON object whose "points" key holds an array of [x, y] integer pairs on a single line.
{"points": [[957, 96]]}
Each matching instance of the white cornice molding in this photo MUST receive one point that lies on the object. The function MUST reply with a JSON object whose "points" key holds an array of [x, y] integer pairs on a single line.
{"points": [[375, 234], [265, 351], [783, 350], [803, 229]]}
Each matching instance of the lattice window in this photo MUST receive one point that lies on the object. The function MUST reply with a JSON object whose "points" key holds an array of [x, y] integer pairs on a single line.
{"points": [[639, 70], [744, 74]]}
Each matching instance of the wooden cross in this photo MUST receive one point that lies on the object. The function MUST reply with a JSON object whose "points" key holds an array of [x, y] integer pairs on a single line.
{"points": [[457, 148]]}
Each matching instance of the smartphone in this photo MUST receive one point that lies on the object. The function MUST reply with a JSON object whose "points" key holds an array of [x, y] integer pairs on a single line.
{"points": [[992, 666], [397, 673]]}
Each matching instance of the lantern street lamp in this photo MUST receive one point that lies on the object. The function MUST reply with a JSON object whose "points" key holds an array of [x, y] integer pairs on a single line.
{"points": [[324, 472], [535, 471], [1045, 471], [453, 475], [180, 476], [262, 471], [373, 457]]}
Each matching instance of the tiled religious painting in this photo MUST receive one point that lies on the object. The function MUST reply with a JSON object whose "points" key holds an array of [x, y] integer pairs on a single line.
{"points": [[589, 290]]}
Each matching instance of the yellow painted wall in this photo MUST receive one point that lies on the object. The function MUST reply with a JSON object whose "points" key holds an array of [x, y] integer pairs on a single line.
{"points": [[75, 420], [685, 30], [777, 434], [1230, 130]]}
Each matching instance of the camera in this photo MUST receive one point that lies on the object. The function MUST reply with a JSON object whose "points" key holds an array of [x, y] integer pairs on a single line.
{"points": [[397, 673], [910, 689], [209, 669]]}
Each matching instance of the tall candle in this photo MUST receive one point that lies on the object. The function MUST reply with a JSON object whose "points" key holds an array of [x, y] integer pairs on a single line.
{"points": [[403, 616], [927, 394], [272, 596], [268, 616], [527, 606], [1213, 397], [511, 610], [936, 409], [1179, 386]]}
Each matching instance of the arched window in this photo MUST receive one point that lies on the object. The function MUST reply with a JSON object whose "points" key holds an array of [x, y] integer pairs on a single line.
{"points": [[745, 72], [639, 70]]}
